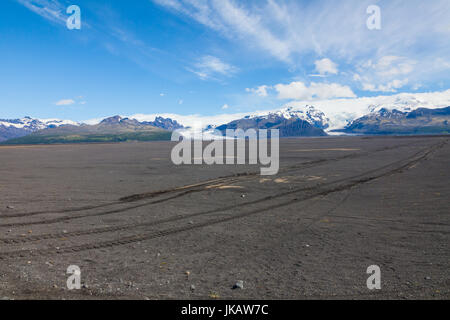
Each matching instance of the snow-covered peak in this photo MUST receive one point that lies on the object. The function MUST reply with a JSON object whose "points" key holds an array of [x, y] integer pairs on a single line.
{"points": [[307, 113], [58, 122], [34, 124], [330, 114]]}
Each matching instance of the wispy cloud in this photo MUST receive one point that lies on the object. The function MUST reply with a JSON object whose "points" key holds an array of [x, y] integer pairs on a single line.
{"points": [[65, 102], [285, 28], [260, 91], [68, 102], [51, 10], [210, 67], [315, 91], [105, 26], [326, 66], [414, 33]]}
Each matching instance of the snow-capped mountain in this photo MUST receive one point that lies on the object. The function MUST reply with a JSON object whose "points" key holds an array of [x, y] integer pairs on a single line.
{"points": [[35, 124], [342, 112], [165, 123], [289, 124], [329, 115], [14, 128], [307, 113], [419, 121]]}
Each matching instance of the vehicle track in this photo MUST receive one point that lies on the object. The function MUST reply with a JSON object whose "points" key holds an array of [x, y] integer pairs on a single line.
{"points": [[187, 190], [145, 224], [152, 194], [312, 192]]}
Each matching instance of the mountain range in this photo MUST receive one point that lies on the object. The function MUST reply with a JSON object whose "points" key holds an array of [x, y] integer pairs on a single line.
{"points": [[289, 125], [292, 121], [16, 128], [419, 121], [113, 129]]}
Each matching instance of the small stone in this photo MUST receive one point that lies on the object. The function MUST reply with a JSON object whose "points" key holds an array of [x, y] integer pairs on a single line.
{"points": [[192, 287], [9, 207], [427, 278], [239, 285], [188, 273], [243, 195], [214, 295]]}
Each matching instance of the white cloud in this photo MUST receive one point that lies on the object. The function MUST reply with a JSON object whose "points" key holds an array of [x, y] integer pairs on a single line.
{"points": [[180, 101], [286, 29], [299, 91], [260, 91], [383, 74], [339, 111], [394, 66], [65, 102], [326, 66], [225, 106], [209, 67], [51, 10], [391, 86]]}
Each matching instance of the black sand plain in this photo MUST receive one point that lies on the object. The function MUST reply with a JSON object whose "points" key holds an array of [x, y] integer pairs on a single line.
{"points": [[140, 227]]}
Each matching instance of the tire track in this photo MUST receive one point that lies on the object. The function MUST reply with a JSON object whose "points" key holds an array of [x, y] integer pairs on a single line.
{"points": [[314, 192], [187, 189], [145, 224]]}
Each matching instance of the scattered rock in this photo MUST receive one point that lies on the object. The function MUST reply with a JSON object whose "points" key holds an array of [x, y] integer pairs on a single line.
{"points": [[9, 207], [239, 285], [214, 295]]}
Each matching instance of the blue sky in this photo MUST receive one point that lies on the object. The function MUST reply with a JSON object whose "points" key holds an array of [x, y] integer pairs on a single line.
{"points": [[210, 57]]}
